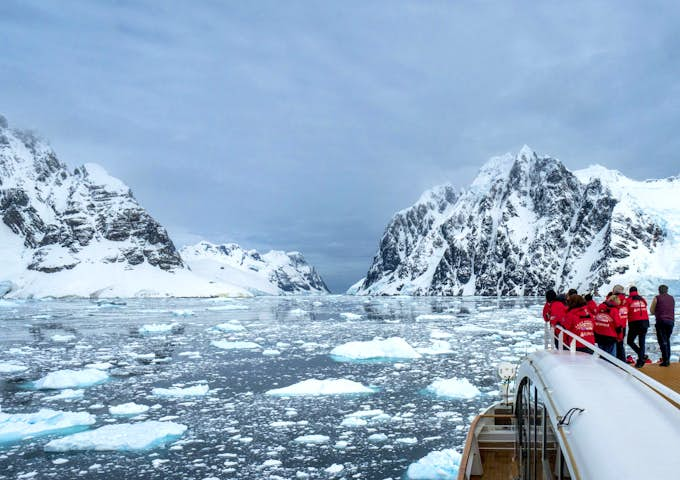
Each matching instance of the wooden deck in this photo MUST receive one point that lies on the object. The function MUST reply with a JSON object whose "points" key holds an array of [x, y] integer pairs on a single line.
{"points": [[669, 376], [498, 465]]}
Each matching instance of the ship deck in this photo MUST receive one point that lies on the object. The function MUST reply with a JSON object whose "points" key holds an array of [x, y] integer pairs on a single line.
{"points": [[669, 376]]}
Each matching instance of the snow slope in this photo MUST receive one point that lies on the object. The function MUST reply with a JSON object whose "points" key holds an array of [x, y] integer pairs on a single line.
{"points": [[527, 224], [273, 273]]}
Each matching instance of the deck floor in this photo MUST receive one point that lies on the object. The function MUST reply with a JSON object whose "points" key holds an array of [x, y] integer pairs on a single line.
{"points": [[669, 376], [498, 465]]}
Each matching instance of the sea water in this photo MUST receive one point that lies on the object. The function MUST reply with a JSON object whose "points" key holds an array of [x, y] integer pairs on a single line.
{"points": [[222, 356]]}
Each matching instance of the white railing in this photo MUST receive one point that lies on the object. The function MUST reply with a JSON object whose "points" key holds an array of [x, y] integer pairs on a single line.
{"points": [[648, 381]]}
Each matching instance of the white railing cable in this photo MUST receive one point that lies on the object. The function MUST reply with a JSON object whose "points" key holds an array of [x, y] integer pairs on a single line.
{"points": [[658, 387]]}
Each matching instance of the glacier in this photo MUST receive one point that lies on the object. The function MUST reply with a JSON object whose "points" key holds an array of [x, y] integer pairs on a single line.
{"points": [[527, 224]]}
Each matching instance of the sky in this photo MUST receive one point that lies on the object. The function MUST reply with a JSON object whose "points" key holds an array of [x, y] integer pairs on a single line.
{"points": [[305, 125]]}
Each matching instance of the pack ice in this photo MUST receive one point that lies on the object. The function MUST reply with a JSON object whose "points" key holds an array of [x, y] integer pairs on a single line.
{"points": [[394, 347], [122, 437], [71, 379], [437, 465], [177, 392], [331, 386], [18, 426], [453, 388]]}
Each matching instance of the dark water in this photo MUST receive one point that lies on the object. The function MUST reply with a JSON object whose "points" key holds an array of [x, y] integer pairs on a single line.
{"points": [[229, 431]]}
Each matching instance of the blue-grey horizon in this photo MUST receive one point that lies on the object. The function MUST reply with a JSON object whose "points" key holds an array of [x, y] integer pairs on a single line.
{"points": [[305, 125]]}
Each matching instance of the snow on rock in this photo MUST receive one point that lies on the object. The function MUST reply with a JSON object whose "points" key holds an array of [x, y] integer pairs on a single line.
{"points": [[453, 388], [314, 387], [227, 345], [527, 224], [395, 347], [17, 426], [71, 379], [178, 392], [12, 367], [158, 328], [437, 465], [67, 394], [120, 437], [312, 439], [130, 408]]}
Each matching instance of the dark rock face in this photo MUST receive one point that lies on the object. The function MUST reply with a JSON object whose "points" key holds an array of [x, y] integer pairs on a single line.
{"points": [[525, 225], [65, 218]]}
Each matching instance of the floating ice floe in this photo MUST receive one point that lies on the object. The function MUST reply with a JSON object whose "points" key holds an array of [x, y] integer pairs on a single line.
{"points": [[183, 313], [99, 365], [473, 329], [128, 409], [350, 316], [222, 308], [158, 328], [390, 348], [435, 316], [12, 367], [437, 465], [298, 312], [314, 387], [71, 379], [122, 437], [312, 439], [440, 334], [67, 394], [233, 326], [271, 352], [62, 338], [227, 345], [453, 388], [377, 438], [177, 392], [18, 426], [437, 347], [334, 469]]}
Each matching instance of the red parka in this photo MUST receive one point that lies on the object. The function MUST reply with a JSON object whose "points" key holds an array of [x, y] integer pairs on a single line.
{"points": [[579, 322], [592, 307], [607, 320], [637, 308]]}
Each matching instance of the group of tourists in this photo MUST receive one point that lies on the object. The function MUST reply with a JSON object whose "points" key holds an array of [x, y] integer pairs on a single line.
{"points": [[606, 324]]}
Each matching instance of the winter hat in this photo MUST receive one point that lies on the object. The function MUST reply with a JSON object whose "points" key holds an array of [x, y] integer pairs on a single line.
{"points": [[632, 289], [618, 289]]}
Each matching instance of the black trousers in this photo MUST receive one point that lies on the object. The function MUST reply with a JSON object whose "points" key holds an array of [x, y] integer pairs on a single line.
{"points": [[637, 329], [621, 348], [663, 335]]}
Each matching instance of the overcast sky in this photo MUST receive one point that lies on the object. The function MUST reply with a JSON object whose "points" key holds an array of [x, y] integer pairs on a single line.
{"points": [[306, 125]]}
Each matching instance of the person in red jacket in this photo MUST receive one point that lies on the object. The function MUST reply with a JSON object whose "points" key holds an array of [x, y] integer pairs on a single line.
{"points": [[623, 313], [590, 303], [607, 320], [638, 324], [553, 311], [579, 322]]}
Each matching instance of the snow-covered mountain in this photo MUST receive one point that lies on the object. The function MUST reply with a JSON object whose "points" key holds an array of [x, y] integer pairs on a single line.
{"points": [[274, 273], [527, 224], [83, 233]]}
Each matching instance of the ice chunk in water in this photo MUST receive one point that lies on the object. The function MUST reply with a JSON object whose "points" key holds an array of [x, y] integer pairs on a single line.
{"points": [[62, 338], [227, 345], [71, 379], [395, 347], [453, 388], [122, 437], [438, 347], [176, 392], [158, 328], [350, 316], [67, 394], [437, 465], [128, 409], [232, 326], [331, 386], [313, 439], [12, 367], [17, 426]]}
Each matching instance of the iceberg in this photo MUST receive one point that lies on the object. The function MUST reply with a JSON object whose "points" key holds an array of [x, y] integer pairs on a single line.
{"points": [[122, 437], [314, 387], [71, 379], [128, 409], [62, 338], [227, 345], [17, 426], [176, 392], [158, 328], [390, 348], [453, 388], [67, 394], [437, 465], [11, 367], [232, 326]]}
